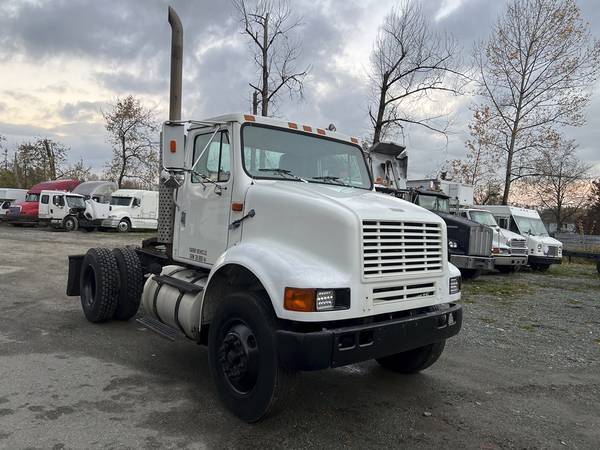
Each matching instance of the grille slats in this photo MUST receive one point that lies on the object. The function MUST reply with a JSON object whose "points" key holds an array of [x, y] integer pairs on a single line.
{"points": [[392, 248], [552, 250], [405, 292]]}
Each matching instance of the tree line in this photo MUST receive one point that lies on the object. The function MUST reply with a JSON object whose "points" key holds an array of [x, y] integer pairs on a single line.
{"points": [[529, 81]]}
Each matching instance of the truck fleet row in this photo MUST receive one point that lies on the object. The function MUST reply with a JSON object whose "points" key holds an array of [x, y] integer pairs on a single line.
{"points": [[70, 204]]}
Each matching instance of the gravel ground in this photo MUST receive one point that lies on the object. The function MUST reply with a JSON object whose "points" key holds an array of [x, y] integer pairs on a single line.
{"points": [[523, 373]]}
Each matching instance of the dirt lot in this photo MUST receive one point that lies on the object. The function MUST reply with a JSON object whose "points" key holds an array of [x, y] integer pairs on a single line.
{"points": [[524, 373]]}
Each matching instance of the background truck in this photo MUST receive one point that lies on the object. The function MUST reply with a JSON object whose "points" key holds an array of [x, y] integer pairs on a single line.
{"points": [[8, 196], [508, 249], [274, 260], [543, 250], [26, 212], [132, 209], [98, 191], [61, 210]]}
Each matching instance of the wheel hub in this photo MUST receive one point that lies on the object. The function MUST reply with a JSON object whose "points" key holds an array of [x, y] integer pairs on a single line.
{"points": [[238, 356]]}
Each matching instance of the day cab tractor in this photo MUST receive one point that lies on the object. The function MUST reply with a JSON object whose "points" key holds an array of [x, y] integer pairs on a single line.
{"points": [[274, 261]]}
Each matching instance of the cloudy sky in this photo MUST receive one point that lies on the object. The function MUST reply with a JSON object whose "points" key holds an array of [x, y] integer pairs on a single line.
{"points": [[63, 61]]}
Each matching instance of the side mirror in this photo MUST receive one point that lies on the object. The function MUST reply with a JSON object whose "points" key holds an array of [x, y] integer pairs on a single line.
{"points": [[136, 202], [173, 145]]}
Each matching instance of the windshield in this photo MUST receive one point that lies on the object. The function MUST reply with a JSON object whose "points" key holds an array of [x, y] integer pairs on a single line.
{"points": [[32, 197], [276, 153], [75, 201], [434, 203], [483, 217], [531, 225], [120, 201]]}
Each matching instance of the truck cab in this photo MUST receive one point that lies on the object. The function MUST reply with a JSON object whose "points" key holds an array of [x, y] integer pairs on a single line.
{"points": [[60, 209], [508, 249], [543, 250], [9, 196], [132, 209]]}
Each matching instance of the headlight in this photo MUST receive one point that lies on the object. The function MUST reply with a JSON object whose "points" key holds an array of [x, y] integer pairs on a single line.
{"points": [[452, 244], [539, 247], [454, 287], [311, 300], [500, 250]]}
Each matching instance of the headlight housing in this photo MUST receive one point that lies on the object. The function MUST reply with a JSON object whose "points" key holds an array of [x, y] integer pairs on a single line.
{"points": [[452, 243], [500, 250], [316, 300], [454, 285]]}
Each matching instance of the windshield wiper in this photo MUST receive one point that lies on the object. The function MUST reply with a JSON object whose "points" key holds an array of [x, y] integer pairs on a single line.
{"points": [[284, 172], [330, 178]]}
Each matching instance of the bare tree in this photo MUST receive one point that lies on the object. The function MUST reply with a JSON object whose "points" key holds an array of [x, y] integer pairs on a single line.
{"points": [[562, 184], [79, 171], [131, 129], [410, 61], [271, 27], [536, 71]]}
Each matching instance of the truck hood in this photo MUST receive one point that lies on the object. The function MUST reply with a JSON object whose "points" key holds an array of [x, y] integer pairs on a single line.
{"points": [[509, 235], [546, 240], [364, 203]]}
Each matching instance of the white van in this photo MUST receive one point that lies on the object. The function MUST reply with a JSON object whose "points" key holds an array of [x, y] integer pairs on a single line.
{"points": [[132, 209], [8, 196], [61, 209], [542, 249]]}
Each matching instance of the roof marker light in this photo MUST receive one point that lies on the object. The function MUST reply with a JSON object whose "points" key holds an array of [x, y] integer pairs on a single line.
{"points": [[321, 131], [354, 140], [307, 128], [249, 118], [293, 125]]}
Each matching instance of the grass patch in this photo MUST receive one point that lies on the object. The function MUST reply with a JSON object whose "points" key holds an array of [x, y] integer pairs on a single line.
{"points": [[566, 269], [501, 287]]}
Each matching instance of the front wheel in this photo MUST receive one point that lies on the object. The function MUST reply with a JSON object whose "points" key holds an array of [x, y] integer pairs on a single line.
{"points": [[243, 357], [124, 226], [413, 361], [70, 223]]}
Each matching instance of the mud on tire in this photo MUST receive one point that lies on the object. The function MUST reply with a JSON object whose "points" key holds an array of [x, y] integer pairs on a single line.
{"points": [[99, 284], [131, 283]]}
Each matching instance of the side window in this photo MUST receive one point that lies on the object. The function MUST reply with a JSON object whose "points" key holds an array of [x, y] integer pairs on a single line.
{"points": [[215, 162], [5, 205], [45, 199], [464, 214], [513, 226], [58, 200]]}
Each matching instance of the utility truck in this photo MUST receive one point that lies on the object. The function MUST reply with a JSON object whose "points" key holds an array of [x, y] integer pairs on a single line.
{"points": [[9, 196], [508, 249], [61, 209], [543, 250], [132, 209], [275, 261], [26, 212]]}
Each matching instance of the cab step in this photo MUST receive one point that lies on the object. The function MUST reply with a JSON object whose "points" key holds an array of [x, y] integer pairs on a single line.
{"points": [[158, 327]]}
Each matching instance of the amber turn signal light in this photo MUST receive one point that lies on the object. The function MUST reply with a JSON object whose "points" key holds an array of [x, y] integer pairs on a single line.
{"points": [[298, 299], [173, 146]]}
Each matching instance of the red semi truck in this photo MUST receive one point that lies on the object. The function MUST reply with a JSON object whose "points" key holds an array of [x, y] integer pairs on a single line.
{"points": [[26, 212]]}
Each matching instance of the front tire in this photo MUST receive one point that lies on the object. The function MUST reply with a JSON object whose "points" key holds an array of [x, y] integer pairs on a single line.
{"points": [[70, 223], [243, 357], [99, 285], [413, 361], [124, 226]]}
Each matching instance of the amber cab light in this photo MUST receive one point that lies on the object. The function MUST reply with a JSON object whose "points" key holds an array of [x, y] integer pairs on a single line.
{"points": [[298, 299], [173, 145]]}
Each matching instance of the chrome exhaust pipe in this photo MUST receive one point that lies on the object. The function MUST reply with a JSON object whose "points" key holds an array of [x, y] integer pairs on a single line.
{"points": [[176, 65]]}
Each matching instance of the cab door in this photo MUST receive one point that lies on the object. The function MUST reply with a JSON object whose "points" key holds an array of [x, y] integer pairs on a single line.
{"points": [[202, 221]]}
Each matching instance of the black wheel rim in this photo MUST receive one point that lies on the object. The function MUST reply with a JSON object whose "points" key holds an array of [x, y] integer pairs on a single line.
{"points": [[89, 286], [238, 356], [69, 224]]}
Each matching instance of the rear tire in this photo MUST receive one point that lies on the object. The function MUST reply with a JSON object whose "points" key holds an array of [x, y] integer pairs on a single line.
{"points": [[131, 283], [124, 226], [470, 274], [413, 361], [244, 363], [99, 284]]}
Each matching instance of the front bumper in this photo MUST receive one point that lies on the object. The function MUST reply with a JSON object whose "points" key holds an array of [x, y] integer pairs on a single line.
{"points": [[510, 260], [472, 262], [533, 259], [347, 345]]}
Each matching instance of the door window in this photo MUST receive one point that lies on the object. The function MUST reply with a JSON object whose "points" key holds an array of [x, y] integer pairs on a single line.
{"points": [[58, 200], [5, 205], [44, 199], [212, 159]]}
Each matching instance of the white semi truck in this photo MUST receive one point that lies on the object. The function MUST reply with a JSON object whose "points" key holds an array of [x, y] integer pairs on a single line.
{"points": [[132, 209], [543, 250], [275, 251]]}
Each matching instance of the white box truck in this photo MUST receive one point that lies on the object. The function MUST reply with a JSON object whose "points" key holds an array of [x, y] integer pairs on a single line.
{"points": [[8, 196], [543, 250], [132, 209], [60, 209], [274, 261]]}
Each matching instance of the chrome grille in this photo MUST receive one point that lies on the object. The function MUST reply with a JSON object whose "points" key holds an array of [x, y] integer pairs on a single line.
{"points": [[391, 248], [480, 241], [518, 246], [14, 210], [552, 250], [405, 292]]}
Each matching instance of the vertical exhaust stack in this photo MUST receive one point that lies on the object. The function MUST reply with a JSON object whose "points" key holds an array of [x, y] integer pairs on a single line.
{"points": [[166, 204], [176, 65]]}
